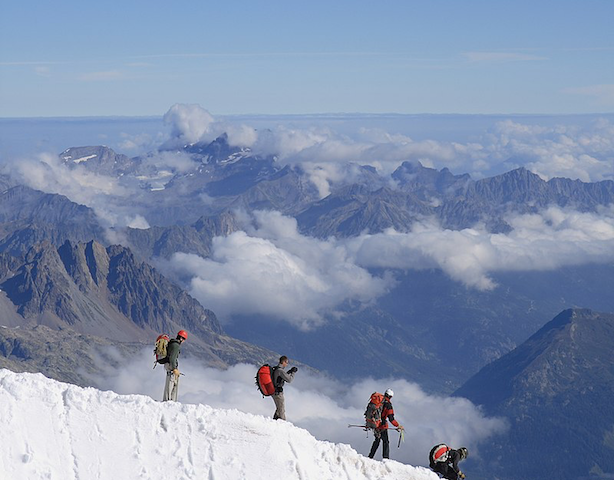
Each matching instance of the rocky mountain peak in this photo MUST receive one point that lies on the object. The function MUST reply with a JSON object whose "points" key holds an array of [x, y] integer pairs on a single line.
{"points": [[556, 389], [99, 159]]}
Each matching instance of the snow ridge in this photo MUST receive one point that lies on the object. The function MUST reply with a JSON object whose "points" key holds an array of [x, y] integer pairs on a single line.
{"points": [[53, 430]]}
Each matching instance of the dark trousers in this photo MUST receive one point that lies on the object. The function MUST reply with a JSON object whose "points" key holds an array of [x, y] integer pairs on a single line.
{"points": [[447, 471], [383, 435]]}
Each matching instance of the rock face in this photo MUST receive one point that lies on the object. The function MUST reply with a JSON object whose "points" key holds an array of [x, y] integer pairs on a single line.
{"points": [[100, 291], [556, 391], [28, 217], [63, 355]]}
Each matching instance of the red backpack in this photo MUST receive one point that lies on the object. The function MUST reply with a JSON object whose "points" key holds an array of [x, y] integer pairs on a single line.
{"points": [[373, 413], [264, 380]]}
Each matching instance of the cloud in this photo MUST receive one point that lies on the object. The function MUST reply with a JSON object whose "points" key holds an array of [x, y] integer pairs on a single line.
{"points": [[142, 142], [190, 123], [567, 151], [105, 76], [271, 269], [138, 222], [171, 162], [42, 71], [603, 94], [499, 57], [322, 405], [106, 195], [585, 153], [46, 172], [551, 239]]}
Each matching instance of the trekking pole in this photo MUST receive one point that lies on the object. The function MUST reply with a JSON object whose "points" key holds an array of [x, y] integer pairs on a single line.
{"points": [[401, 436]]}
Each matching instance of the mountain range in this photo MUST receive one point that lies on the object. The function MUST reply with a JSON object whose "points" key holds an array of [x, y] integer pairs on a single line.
{"points": [[66, 281], [89, 296], [191, 206]]}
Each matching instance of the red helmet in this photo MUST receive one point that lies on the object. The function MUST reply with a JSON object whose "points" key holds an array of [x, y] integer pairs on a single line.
{"points": [[183, 334]]}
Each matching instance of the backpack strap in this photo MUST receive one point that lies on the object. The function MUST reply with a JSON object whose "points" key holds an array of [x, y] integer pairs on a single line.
{"points": [[277, 382]]}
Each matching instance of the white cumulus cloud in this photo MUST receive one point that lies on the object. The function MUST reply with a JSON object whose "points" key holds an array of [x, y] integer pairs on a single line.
{"points": [[271, 269]]}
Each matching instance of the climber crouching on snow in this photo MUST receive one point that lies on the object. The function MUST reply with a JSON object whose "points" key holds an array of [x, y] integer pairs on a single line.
{"points": [[280, 377], [444, 461]]}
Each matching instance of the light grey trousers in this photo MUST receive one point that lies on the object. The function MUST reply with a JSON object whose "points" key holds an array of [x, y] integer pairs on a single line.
{"points": [[171, 387], [280, 406]]}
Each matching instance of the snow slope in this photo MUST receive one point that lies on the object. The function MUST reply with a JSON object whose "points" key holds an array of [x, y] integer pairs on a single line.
{"points": [[51, 430]]}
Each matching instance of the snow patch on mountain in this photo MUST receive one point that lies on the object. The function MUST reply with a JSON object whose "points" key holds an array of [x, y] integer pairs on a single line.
{"points": [[53, 430]]}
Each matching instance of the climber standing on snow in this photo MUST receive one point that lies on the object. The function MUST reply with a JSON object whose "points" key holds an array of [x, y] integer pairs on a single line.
{"points": [[381, 432], [171, 364], [280, 377]]}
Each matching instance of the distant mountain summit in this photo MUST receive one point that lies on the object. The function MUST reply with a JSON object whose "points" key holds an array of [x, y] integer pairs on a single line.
{"points": [[100, 159], [556, 390]]}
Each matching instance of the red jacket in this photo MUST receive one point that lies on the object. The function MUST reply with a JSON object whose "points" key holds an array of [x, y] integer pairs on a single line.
{"points": [[387, 414]]}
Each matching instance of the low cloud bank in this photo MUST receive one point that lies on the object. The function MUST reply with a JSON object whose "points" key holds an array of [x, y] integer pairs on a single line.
{"points": [[549, 240], [322, 405], [271, 269]]}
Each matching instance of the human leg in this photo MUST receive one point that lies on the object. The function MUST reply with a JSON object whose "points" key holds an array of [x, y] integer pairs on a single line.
{"points": [[386, 444], [375, 445], [280, 406]]}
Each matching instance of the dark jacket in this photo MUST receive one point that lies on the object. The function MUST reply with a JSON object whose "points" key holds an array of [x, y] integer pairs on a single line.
{"points": [[280, 377], [172, 353], [387, 415], [451, 464]]}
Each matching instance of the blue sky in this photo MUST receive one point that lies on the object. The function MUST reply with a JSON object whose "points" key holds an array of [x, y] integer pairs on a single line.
{"points": [[74, 58]]}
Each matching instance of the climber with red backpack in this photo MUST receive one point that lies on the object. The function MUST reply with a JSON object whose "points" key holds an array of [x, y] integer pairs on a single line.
{"points": [[271, 380], [444, 461], [170, 362], [385, 412]]}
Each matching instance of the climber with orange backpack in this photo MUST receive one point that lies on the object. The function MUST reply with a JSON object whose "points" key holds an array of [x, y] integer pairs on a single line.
{"points": [[379, 412], [170, 362]]}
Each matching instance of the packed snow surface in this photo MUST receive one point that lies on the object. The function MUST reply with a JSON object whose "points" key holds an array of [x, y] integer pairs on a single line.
{"points": [[56, 431]]}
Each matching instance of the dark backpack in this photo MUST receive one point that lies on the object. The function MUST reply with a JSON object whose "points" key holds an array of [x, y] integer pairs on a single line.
{"points": [[373, 412]]}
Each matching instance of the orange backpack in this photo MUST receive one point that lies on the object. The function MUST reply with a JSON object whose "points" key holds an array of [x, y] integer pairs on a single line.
{"points": [[373, 413]]}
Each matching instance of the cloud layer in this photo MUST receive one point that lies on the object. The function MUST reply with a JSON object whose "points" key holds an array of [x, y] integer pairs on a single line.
{"points": [[584, 152], [271, 269], [554, 238], [323, 406], [275, 271]]}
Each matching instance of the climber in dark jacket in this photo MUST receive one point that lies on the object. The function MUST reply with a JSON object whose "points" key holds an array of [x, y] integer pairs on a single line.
{"points": [[444, 460]]}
